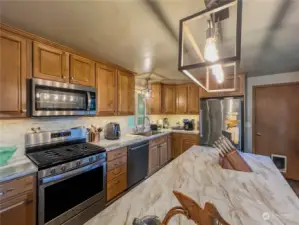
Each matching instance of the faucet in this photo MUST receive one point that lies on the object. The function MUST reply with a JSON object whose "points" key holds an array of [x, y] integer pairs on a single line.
{"points": [[143, 124]]}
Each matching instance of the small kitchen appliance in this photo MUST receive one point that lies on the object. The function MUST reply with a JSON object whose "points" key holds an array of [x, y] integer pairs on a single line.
{"points": [[188, 124], [112, 131], [51, 98], [71, 179]]}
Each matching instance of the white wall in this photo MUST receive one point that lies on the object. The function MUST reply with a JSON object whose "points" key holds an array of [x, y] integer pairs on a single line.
{"points": [[262, 80]]}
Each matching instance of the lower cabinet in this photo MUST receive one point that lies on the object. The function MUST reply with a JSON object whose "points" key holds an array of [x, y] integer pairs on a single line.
{"points": [[116, 172], [158, 153], [17, 202], [182, 142]]}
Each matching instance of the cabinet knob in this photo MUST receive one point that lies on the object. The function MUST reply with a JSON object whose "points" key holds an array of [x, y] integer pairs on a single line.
{"points": [[23, 110], [258, 134], [72, 78]]}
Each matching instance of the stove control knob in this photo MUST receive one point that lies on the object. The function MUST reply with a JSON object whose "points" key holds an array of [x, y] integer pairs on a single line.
{"points": [[98, 157], [52, 171], [63, 168], [90, 159], [78, 163]]}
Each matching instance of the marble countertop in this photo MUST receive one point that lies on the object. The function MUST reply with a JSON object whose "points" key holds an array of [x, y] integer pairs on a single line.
{"points": [[16, 168], [129, 139], [259, 198]]}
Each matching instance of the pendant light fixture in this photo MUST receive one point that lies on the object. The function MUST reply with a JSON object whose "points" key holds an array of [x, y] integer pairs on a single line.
{"points": [[147, 92], [202, 53]]}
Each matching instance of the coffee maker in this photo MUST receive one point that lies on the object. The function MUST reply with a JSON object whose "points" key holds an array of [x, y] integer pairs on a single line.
{"points": [[188, 124]]}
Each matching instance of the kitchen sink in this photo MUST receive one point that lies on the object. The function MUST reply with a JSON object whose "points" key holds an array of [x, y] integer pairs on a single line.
{"points": [[149, 133]]}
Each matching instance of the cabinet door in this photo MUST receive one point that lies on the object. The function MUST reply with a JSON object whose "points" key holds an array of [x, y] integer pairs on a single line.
{"points": [[188, 140], [169, 147], [126, 93], [106, 89], [19, 210], [163, 154], [50, 63], [154, 159], [169, 101], [193, 99], [82, 71], [181, 99], [14, 69], [154, 104], [176, 145]]}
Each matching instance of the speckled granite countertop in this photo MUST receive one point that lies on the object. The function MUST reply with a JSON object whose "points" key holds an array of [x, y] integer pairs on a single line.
{"points": [[129, 139], [16, 168], [259, 198]]}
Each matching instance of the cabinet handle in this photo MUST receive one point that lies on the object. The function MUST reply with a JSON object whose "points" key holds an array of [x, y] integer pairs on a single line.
{"points": [[10, 189], [72, 77], [23, 110], [11, 207], [1, 193]]}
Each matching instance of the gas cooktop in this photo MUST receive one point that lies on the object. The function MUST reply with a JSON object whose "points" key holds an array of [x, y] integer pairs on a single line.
{"points": [[59, 155]]}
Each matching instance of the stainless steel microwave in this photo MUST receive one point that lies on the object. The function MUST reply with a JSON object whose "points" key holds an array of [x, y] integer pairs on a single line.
{"points": [[51, 98]]}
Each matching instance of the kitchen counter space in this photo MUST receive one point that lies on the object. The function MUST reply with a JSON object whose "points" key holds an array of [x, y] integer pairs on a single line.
{"points": [[258, 198], [16, 168], [129, 139]]}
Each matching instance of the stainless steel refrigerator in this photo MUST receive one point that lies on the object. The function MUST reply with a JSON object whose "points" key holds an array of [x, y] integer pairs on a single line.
{"points": [[222, 116]]}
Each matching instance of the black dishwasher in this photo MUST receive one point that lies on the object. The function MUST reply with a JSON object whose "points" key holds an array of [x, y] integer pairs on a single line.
{"points": [[137, 162]]}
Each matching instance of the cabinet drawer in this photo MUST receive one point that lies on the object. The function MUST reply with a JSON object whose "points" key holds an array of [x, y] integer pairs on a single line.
{"points": [[112, 155], [116, 163], [116, 172], [116, 186], [158, 141], [16, 187]]}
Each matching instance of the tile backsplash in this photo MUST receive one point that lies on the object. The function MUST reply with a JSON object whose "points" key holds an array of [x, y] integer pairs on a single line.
{"points": [[173, 119], [12, 132]]}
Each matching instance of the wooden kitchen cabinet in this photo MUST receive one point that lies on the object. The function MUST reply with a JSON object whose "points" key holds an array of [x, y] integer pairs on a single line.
{"points": [[15, 68], [182, 142], [193, 99], [181, 99], [116, 172], [154, 159], [154, 105], [126, 93], [169, 99], [163, 154], [50, 63], [106, 84], [17, 202], [82, 71]]}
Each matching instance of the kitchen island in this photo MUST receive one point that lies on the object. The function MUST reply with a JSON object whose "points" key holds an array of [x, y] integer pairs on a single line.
{"points": [[261, 197]]}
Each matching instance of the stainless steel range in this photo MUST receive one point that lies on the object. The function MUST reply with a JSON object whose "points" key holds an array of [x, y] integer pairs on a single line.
{"points": [[71, 176]]}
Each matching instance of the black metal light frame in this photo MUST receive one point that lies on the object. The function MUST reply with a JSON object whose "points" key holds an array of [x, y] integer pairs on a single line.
{"points": [[228, 60]]}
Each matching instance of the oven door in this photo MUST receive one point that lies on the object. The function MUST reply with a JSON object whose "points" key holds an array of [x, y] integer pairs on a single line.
{"points": [[50, 98], [64, 196]]}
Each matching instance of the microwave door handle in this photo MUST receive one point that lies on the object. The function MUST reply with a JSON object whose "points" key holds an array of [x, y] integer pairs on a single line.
{"points": [[88, 101]]}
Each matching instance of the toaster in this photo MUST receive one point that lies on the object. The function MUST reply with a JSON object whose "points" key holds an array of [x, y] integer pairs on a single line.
{"points": [[112, 131]]}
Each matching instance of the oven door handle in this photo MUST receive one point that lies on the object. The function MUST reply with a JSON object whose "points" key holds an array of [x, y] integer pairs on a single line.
{"points": [[59, 177], [88, 101]]}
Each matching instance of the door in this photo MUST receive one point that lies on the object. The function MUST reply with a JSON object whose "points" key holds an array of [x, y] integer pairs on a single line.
{"points": [[163, 154], [82, 71], [126, 93], [211, 121], [15, 68], [154, 104], [169, 101], [276, 123], [50, 63], [19, 210], [154, 159], [181, 99], [193, 99], [176, 145], [106, 89]]}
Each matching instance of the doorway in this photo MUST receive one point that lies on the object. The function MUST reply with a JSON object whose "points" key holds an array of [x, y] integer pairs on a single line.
{"points": [[276, 124]]}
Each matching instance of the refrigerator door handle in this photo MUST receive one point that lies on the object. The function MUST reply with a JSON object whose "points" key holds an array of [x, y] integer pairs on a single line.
{"points": [[200, 124]]}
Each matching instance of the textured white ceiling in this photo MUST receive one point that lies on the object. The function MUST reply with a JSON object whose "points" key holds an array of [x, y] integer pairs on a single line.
{"points": [[130, 34]]}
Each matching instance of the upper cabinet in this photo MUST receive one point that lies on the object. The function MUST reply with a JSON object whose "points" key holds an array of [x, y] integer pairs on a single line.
{"points": [[82, 71], [15, 68], [169, 99], [181, 99], [193, 99], [154, 105], [126, 93], [50, 63], [106, 80]]}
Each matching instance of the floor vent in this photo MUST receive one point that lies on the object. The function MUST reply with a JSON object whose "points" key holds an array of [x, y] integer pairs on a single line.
{"points": [[280, 162]]}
